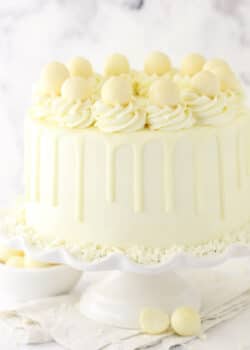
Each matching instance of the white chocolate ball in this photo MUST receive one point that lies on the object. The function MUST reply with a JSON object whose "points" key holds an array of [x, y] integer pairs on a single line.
{"points": [[116, 64], [157, 63], [164, 92], [53, 76], [80, 67], [186, 321], [6, 253], [192, 64], [226, 77], [15, 261], [153, 321], [215, 62], [76, 89], [116, 90], [30, 263], [206, 83]]}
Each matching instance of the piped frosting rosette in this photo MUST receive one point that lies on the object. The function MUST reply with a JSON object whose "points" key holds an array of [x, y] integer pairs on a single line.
{"points": [[119, 118], [203, 92], [169, 118], [63, 112], [165, 111], [118, 110], [210, 110]]}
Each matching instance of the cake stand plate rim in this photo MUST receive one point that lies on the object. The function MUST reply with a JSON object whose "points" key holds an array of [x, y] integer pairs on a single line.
{"points": [[121, 261]]}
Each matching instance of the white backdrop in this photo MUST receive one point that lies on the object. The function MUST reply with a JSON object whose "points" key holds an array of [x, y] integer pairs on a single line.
{"points": [[32, 32]]}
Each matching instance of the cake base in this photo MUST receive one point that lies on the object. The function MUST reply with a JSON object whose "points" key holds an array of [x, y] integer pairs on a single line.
{"points": [[120, 297]]}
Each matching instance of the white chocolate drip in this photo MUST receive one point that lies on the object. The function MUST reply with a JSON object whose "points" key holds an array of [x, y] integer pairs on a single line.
{"points": [[79, 170], [55, 165], [138, 178], [168, 176], [37, 159], [221, 185], [110, 172]]}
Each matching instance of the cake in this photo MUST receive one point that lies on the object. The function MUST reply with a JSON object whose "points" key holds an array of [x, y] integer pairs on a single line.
{"points": [[154, 158]]}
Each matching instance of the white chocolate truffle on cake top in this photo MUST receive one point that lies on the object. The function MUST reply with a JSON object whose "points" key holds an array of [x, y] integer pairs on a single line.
{"points": [[116, 64], [215, 62], [53, 76], [186, 321], [192, 64], [157, 63], [164, 92], [206, 83], [226, 77], [153, 321], [80, 67], [116, 91], [76, 89]]}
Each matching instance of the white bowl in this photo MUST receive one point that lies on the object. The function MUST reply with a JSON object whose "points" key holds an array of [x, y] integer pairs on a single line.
{"points": [[25, 284]]}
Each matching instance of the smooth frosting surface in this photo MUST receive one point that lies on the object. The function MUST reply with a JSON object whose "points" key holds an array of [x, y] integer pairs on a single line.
{"points": [[158, 97]]}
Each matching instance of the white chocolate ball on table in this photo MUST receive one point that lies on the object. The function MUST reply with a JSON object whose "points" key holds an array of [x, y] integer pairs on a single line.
{"points": [[206, 83], [6, 253], [15, 261], [30, 263], [80, 67], [192, 64], [157, 63], [116, 64], [53, 76], [116, 90], [153, 321], [216, 62], [76, 89], [226, 77], [164, 92], [186, 321]]}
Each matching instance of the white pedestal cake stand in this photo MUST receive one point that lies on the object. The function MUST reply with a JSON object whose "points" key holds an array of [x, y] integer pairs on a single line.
{"points": [[118, 299]]}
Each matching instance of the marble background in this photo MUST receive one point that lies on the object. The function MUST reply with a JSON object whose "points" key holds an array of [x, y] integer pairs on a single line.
{"points": [[32, 32]]}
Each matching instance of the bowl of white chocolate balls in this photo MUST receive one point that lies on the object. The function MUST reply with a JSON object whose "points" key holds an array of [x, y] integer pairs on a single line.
{"points": [[23, 279]]}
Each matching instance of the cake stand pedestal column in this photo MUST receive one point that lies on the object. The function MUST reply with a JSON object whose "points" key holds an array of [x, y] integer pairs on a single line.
{"points": [[118, 299]]}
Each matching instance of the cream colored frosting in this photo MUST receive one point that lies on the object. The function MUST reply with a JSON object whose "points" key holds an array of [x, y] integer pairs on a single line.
{"points": [[210, 94], [169, 118], [216, 111], [63, 112], [119, 118]]}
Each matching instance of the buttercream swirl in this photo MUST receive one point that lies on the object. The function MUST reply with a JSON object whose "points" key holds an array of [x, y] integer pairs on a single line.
{"points": [[216, 111], [119, 118], [64, 113], [168, 118]]}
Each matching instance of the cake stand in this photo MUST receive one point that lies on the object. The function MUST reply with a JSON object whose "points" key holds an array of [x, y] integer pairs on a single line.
{"points": [[129, 286]]}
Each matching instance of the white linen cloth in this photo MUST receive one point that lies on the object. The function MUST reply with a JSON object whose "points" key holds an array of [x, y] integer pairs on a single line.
{"points": [[225, 292]]}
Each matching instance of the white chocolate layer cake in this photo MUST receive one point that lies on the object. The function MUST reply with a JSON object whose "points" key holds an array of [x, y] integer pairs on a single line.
{"points": [[153, 159]]}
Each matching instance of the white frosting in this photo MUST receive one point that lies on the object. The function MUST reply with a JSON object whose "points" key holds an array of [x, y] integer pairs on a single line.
{"points": [[63, 112], [168, 118], [212, 111], [14, 226], [119, 118]]}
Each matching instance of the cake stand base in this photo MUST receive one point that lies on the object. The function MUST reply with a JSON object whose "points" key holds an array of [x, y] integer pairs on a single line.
{"points": [[119, 298]]}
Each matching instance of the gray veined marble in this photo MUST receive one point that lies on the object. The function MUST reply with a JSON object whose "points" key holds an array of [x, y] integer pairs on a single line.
{"points": [[32, 32]]}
